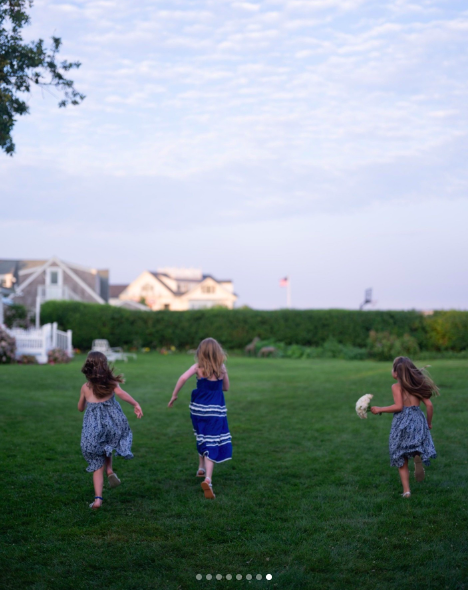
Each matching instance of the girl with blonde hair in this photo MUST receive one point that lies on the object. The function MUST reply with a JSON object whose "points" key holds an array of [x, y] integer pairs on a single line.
{"points": [[410, 433], [208, 410]]}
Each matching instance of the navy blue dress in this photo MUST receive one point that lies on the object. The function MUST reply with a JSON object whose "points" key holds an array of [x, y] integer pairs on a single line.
{"points": [[410, 436], [209, 418], [105, 429]]}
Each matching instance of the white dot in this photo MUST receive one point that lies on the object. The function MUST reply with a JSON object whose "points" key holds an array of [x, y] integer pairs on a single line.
{"points": [[199, 576], [219, 577], [208, 576], [239, 577], [248, 577], [228, 577], [268, 576], [259, 576]]}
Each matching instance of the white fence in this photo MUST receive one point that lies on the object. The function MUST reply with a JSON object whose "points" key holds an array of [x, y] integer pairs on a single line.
{"points": [[38, 342]]}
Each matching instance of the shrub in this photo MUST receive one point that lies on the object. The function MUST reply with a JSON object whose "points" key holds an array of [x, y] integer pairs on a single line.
{"points": [[384, 346], [7, 347], [17, 316], [27, 359], [233, 328], [331, 349], [447, 330], [57, 356]]}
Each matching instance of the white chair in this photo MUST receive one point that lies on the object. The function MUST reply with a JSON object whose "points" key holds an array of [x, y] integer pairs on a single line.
{"points": [[115, 353]]}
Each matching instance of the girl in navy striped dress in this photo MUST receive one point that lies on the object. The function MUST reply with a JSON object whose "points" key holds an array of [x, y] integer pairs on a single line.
{"points": [[208, 410]]}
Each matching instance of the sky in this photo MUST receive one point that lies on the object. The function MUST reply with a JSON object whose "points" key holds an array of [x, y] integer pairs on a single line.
{"points": [[324, 140]]}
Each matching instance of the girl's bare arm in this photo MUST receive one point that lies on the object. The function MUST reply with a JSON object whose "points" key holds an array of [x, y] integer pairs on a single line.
{"points": [[181, 382], [225, 380], [396, 407], [124, 396], [429, 411], [82, 400]]}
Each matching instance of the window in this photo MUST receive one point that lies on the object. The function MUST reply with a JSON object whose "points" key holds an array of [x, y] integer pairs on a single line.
{"points": [[167, 306], [147, 289], [54, 277], [208, 289]]}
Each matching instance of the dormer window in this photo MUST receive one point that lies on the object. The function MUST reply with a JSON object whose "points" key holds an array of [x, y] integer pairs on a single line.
{"points": [[208, 289], [54, 277]]}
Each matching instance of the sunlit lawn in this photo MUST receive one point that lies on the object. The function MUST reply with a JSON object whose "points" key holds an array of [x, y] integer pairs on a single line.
{"points": [[309, 496]]}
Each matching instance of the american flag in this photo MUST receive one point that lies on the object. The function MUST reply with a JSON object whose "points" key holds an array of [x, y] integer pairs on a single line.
{"points": [[284, 282]]}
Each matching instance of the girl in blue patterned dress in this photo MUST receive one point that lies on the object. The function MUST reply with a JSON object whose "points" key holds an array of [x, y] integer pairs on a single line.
{"points": [[105, 426], [410, 434], [208, 410]]}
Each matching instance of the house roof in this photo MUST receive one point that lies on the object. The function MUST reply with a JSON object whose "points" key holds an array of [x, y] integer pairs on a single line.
{"points": [[8, 266], [217, 280], [115, 290], [158, 275]]}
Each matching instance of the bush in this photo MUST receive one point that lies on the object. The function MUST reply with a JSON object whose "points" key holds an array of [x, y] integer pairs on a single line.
{"points": [[17, 316], [57, 356], [447, 330], [27, 359], [7, 347], [233, 328], [384, 346], [331, 349]]}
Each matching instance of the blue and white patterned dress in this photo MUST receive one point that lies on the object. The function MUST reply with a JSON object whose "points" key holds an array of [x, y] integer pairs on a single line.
{"points": [[105, 429], [209, 418], [410, 436]]}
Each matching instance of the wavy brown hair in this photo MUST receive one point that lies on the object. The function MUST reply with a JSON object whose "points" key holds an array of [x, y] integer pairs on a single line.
{"points": [[99, 375], [210, 357], [414, 381]]}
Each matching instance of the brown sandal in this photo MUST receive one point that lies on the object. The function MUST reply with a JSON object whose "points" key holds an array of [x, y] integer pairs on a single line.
{"points": [[208, 489]]}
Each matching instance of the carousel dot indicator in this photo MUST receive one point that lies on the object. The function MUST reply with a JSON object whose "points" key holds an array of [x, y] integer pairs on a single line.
{"points": [[219, 577], [228, 577], [199, 576], [268, 576], [208, 576], [239, 577], [259, 576], [248, 577]]}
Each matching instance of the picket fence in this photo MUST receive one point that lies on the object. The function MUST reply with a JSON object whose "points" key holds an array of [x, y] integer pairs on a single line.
{"points": [[39, 341]]}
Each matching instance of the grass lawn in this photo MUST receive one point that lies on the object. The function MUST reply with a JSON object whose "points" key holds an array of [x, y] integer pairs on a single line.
{"points": [[309, 496]]}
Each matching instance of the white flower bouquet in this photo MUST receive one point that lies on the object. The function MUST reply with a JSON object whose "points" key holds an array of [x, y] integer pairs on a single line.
{"points": [[363, 405]]}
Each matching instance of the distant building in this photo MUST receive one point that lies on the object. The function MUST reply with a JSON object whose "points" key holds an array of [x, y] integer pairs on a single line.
{"points": [[33, 282], [176, 289]]}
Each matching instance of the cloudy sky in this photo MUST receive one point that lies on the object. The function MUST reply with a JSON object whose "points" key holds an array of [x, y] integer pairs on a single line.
{"points": [[321, 139]]}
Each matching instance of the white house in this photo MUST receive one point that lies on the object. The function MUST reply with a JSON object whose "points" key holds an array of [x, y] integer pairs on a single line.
{"points": [[32, 282], [176, 289]]}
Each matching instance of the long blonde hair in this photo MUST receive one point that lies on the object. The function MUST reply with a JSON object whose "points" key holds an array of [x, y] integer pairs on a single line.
{"points": [[210, 357], [413, 380]]}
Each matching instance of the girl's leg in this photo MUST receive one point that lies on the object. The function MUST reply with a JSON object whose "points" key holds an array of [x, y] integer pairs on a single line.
{"points": [[201, 466], [209, 465], [206, 485], [404, 476], [108, 465], [98, 481]]}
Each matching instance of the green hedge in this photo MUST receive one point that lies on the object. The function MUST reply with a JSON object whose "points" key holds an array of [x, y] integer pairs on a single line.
{"points": [[235, 328]]}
